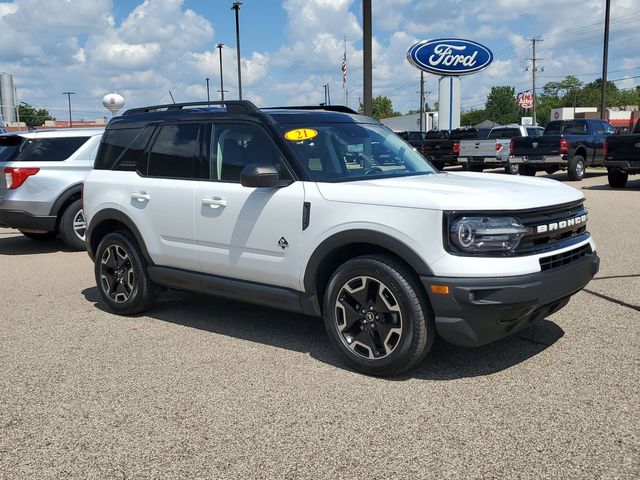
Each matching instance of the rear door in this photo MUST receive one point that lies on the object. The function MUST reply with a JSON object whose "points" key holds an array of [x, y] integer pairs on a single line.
{"points": [[247, 233], [158, 197]]}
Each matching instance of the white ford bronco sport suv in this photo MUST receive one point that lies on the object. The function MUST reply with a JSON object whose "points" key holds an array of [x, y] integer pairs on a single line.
{"points": [[42, 175], [290, 208]]}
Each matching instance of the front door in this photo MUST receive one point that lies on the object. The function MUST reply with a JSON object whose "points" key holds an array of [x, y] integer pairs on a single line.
{"points": [[247, 233]]}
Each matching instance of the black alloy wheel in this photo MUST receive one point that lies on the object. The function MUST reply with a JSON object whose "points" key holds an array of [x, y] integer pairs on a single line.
{"points": [[368, 317], [121, 275], [377, 316]]}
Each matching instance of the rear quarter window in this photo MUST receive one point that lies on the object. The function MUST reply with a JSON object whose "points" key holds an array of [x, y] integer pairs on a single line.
{"points": [[504, 133], [118, 147], [45, 149]]}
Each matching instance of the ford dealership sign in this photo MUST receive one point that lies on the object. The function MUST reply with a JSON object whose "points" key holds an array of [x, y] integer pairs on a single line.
{"points": [[450, 56]]}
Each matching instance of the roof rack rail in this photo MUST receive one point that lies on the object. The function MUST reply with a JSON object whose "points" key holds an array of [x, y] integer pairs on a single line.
{"points": [[233, 106], [330, 108]]}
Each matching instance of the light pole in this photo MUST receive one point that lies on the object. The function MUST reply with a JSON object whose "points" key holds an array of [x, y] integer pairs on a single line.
{"points": [[220, 45], [208, 97], [236, 7], [367, 58], [68, 94], [605, 55]]}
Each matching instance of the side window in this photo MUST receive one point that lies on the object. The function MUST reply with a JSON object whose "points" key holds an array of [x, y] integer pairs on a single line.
{"points": [[133, 155], [608, 129], [175, 153], [49, 149], [234, 146], [114, 143], [598, 128]]}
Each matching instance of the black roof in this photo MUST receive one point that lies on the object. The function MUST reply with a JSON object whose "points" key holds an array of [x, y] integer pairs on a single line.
{"points": [[201, 111]]}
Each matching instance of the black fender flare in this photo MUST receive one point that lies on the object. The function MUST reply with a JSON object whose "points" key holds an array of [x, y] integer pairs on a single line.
{"points": [[112, 214], [63, 197], [361, 236]]}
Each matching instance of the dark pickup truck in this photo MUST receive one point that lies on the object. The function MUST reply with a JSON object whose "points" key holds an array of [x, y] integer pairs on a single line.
{"points": [[622, 157], [441, 147], [569, 145]]}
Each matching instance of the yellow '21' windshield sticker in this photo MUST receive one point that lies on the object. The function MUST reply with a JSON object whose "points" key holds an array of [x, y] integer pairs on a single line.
{"points": [[300, 134]]}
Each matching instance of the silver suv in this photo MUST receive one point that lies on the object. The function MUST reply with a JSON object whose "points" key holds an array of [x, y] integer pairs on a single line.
{"points": [[41, 182]]}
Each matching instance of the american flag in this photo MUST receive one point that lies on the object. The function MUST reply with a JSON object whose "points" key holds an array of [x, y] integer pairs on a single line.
{"points": [[344, 67]]}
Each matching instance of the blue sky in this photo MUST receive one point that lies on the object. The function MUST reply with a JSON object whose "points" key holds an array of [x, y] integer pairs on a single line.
{"points": [[291, 48]]}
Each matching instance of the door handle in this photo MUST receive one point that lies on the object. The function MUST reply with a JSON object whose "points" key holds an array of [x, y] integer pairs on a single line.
{"points": [[140, 196], [215, 202]]}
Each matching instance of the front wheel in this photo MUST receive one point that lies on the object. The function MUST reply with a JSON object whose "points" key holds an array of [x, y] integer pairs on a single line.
{"points": [[121, 275], [576, 168], [377, 317], [617, 178]]}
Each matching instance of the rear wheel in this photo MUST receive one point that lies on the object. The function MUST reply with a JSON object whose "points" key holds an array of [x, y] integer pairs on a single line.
{"points": [[617, 178], [576, 167], [73, 226], [40, 236], [527, 171], [376, 316], [512, 168], [438, 164], [121, 275], [476, 168]]}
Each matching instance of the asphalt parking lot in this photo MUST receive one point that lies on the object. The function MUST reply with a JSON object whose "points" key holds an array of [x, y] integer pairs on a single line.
{"points": [[207, 388]]}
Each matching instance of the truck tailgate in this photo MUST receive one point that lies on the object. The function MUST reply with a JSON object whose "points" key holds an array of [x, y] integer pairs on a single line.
{"points": [[536, 146]]}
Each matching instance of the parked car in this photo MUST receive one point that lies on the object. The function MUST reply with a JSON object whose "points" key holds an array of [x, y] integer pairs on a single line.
{"points": [[2, 130], [622, 157], [493, 152], [441, 147], [261, 206], [569, 145], [41, 184]]}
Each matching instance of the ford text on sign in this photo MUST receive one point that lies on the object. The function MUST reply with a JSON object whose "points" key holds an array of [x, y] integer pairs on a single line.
{"points": [[449, 56]]}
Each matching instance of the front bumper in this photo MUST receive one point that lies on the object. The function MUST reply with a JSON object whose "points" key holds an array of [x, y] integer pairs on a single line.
{"points": [[545, 159], [477, 311], [26, 221]]}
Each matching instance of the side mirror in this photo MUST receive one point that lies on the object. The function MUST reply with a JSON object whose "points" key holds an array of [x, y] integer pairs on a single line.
{"points": [[260, 175]]}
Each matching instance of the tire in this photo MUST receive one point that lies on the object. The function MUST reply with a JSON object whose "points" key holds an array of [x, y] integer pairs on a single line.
{"points": [[527, 171], [476, 168], [438, 165], [394, 307], [121, 275], [617, 178], [512, 168], [73, 227], [40, 236], [575, 168]]}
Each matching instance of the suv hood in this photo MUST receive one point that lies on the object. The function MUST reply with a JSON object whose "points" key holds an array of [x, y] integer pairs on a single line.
{"points": [[454, 191]]}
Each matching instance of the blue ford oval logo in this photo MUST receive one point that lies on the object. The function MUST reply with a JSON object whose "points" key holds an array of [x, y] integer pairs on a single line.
{"points": [[449, 56]]}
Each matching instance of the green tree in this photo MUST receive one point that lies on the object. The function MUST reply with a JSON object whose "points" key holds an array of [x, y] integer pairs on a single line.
{"points": [[382, 108], [33, 117], [501, 106], [473, 117]]}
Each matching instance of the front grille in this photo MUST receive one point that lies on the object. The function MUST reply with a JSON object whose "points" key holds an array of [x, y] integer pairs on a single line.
{"points": [[565, 258], [550, 228]]}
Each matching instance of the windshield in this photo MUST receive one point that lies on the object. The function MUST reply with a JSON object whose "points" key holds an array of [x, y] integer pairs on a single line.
{"points": [[350, 151]]}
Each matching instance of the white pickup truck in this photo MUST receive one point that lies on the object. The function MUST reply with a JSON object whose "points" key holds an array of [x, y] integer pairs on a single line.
{"points": [[475, 155]]}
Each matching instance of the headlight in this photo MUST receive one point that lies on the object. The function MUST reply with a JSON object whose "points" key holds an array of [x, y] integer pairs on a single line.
{"points": [[475, 234]]}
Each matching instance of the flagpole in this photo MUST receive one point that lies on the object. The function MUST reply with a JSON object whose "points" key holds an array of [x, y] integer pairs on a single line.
{"points": [[344, 73]]}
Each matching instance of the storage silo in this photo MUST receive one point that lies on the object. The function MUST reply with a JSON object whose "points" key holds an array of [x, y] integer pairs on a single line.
{"points": [[7, 97]]}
